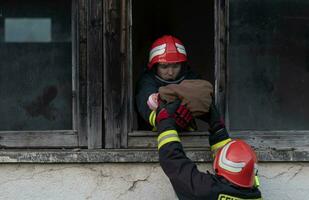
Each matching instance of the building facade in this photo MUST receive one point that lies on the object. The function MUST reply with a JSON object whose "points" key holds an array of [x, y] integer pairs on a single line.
{"points": [[69, 128]]}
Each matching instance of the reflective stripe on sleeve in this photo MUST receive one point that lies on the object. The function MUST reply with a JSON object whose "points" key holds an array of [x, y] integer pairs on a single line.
{"points": [[220, 144], [152, 118], [256, 181], [167, 137]]}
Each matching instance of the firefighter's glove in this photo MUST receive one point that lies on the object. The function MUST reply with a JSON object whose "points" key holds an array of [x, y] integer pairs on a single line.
{"points": [[183, 117], [165, 117]]}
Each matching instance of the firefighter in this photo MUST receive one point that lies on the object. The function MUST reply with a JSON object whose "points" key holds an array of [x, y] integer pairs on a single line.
{"points": [[167, 65], [235, 163]]}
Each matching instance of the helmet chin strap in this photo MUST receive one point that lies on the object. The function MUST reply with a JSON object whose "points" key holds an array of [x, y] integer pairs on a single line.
{"points": [[170, 81]]}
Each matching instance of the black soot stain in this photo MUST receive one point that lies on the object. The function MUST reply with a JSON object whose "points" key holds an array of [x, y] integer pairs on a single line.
{"points": [[42, 104]]}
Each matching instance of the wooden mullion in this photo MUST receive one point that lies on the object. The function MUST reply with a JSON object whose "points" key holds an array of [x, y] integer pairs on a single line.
{"points": [[221, 42], [126, 73], [94, 73], [117, 81], [81, 75], [111, 46]]}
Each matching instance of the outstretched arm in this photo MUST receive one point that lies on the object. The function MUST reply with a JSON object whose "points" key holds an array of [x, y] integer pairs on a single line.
{"points": [[187, 180], [218, 133]]}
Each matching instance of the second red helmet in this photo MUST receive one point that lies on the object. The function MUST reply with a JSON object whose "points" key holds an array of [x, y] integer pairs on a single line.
{"points": [[237, 162], [167, 49]]}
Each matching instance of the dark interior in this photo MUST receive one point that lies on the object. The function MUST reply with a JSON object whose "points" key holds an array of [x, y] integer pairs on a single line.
{"points": [[269, 65], [191, 22]]}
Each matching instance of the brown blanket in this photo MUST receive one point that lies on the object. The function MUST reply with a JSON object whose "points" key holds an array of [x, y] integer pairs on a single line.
{"points": [[195, 94]]}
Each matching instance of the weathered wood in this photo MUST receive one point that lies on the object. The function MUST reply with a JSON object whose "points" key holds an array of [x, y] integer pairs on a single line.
{"points": [[130, 94], [274, 139], [278, 140], [117, 75], [75, 54], [81, 75], [133, 155], [38, 139], [221, 42], [126, 76], [94, 73], [151, 133], [151, 142], [112, 84]]}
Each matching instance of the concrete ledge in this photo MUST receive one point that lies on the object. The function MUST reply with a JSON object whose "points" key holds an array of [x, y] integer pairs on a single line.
{"points": [[132, 155]]}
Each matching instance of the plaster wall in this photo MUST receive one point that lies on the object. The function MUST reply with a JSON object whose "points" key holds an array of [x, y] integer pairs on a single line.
{"points": [[282, 181]]}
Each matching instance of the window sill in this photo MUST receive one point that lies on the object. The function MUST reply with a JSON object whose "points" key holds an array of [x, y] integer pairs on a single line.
{"points": [[133, 155]]}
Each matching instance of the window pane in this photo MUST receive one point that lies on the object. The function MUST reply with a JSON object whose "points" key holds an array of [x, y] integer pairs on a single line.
{"points": [[33, 30], [36, 65], [269, 65]]}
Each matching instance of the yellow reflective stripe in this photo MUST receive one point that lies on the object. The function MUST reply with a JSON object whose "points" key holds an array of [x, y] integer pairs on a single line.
{"points": [[165, 133], [168, 140], [256, 181], [167, 137], [152, 118], [220, 144], [228, 197]]}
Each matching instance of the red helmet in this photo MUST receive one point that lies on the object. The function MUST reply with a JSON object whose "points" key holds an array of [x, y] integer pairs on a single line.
{"points": [[237, 162], [167, 49]]}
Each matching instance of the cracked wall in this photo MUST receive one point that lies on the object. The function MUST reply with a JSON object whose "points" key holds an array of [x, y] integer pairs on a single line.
{"points": [[282, 181]]}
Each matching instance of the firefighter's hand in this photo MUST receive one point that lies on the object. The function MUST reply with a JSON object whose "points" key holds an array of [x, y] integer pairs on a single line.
{"points": [[165, 117], [183, 117]]}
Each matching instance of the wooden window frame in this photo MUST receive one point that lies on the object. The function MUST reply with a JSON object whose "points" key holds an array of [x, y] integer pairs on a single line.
{"points": [[270, 145], [86, 88], [288, 141]]}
